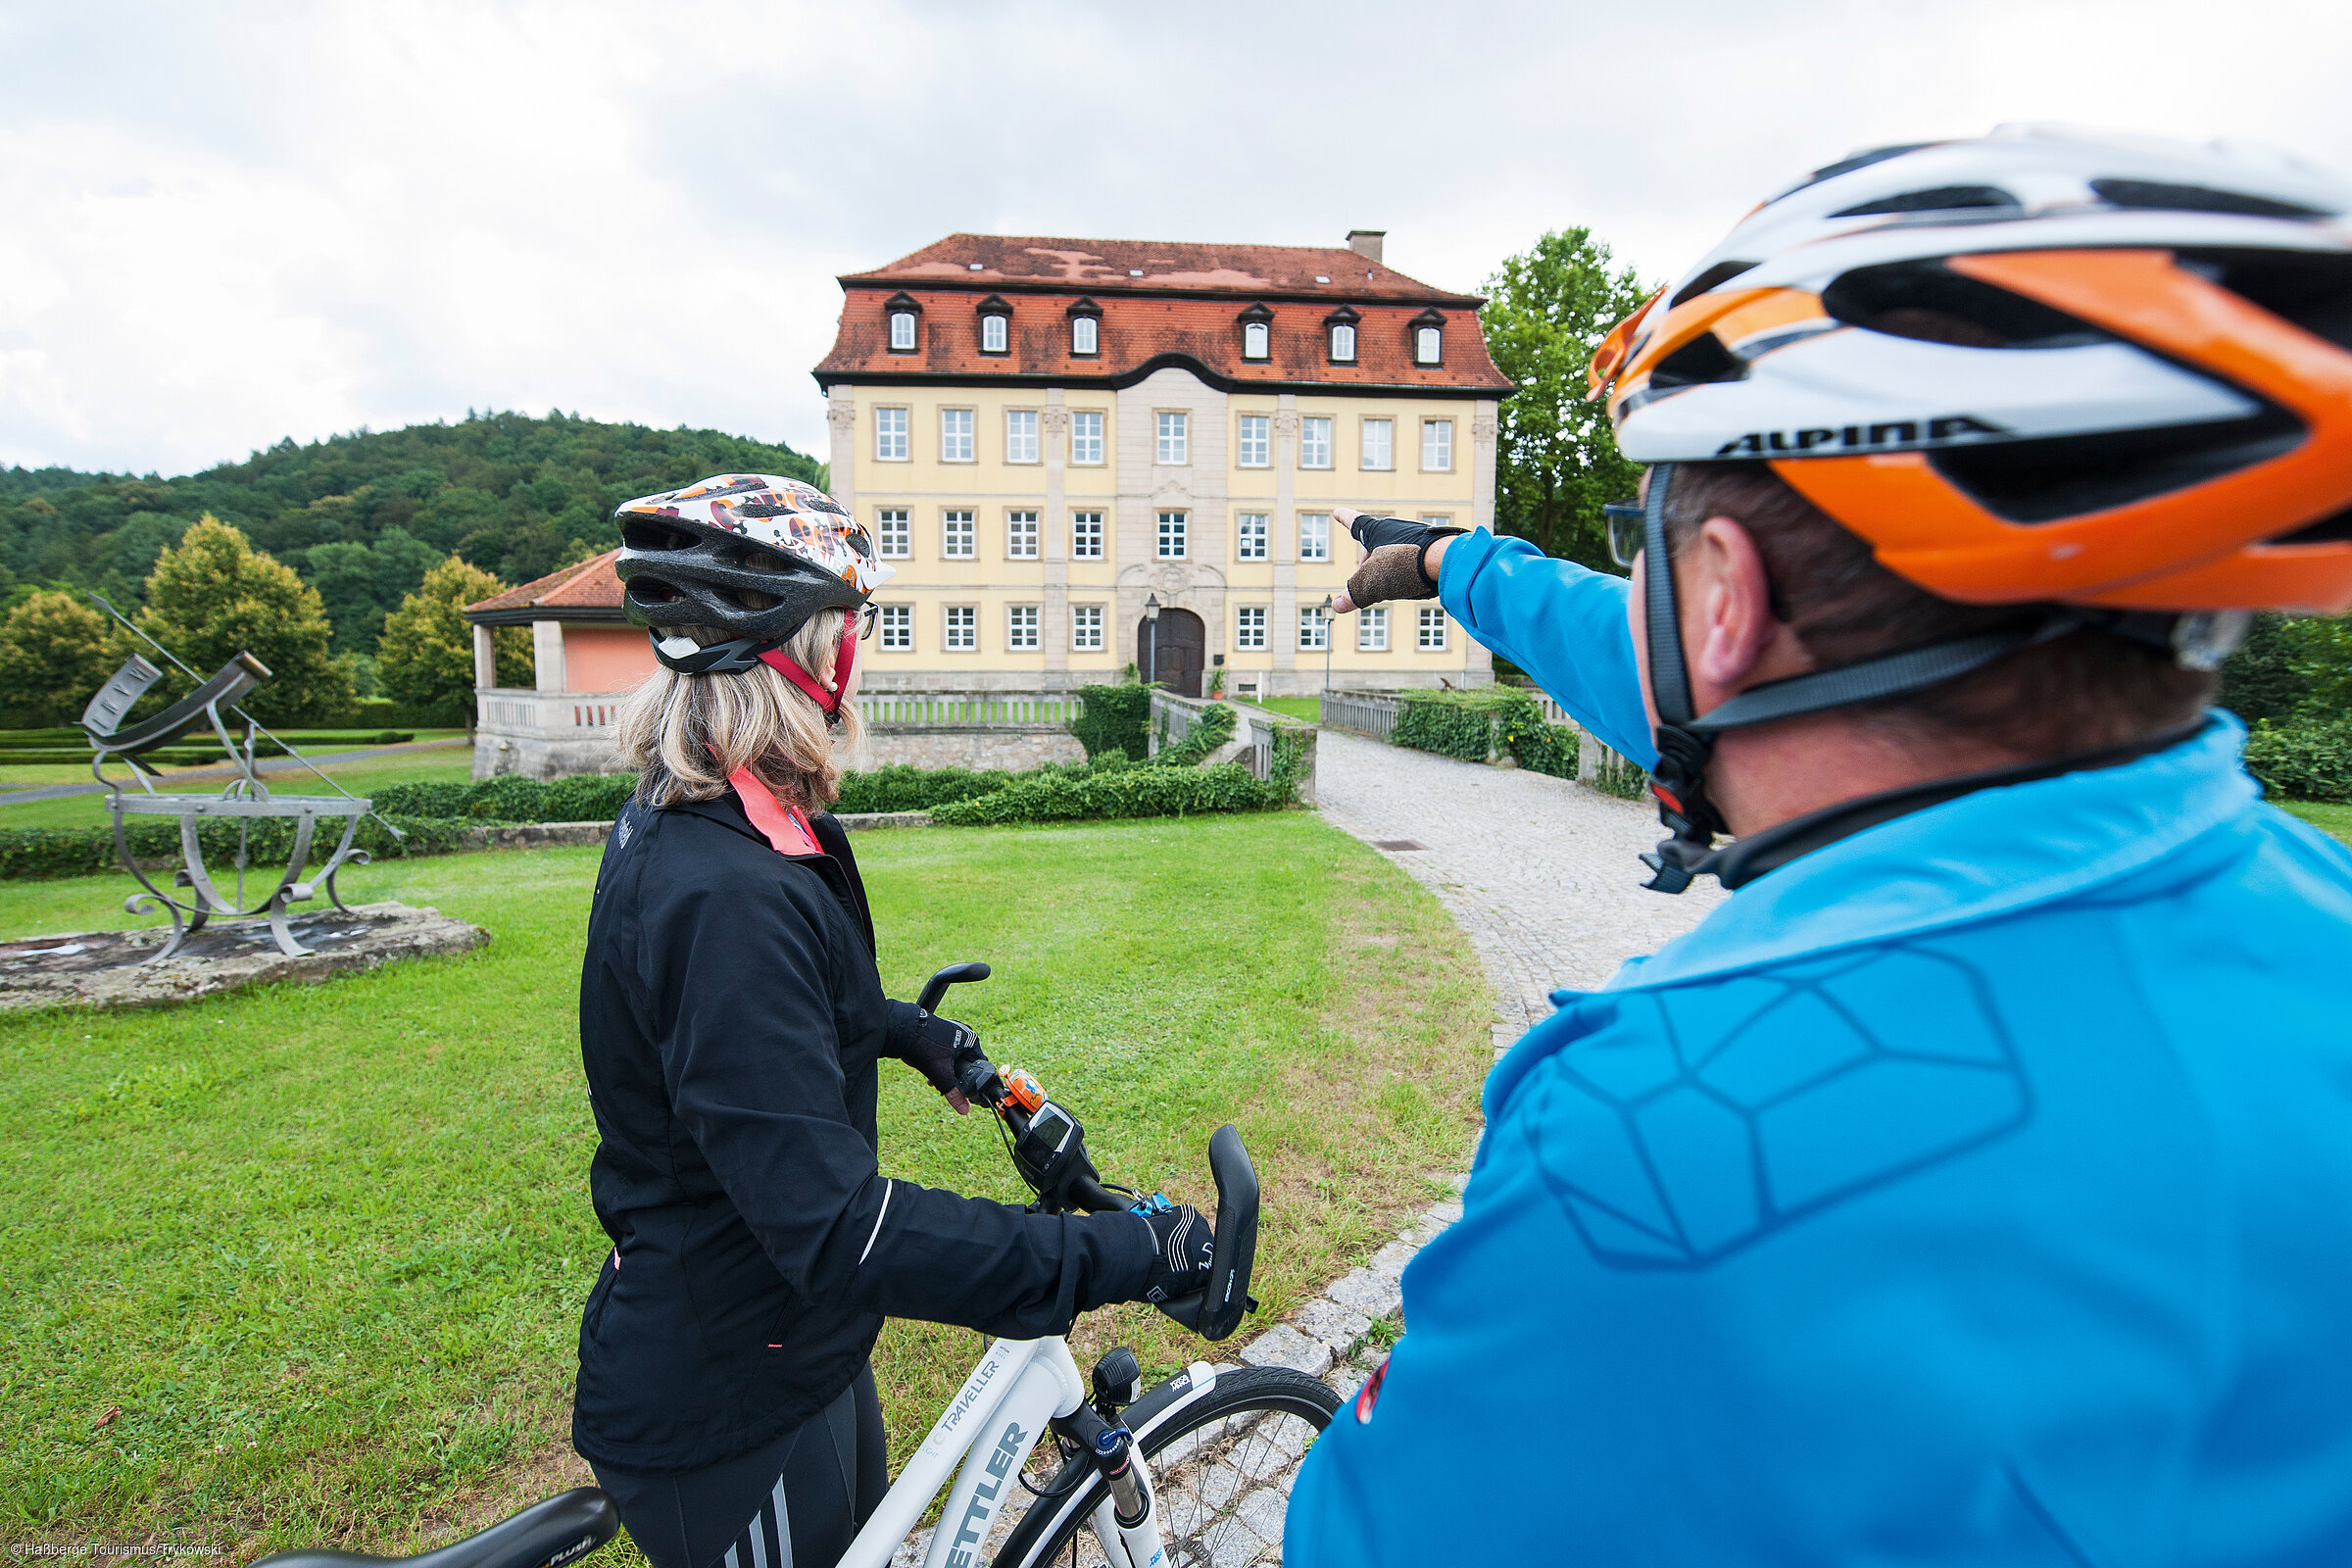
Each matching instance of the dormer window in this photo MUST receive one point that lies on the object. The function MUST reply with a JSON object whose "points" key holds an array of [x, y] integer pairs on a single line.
{"points": [[1257, 332], [901, 309], [1428, 338], [996, 326], [1086, 327], [1342, 326]]}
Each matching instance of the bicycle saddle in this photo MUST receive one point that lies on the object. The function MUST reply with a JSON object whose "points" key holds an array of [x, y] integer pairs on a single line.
{"points": [[546, 1535]]}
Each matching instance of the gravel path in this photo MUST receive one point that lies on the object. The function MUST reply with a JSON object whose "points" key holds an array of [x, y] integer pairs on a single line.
{"points": [[1538, 871]]}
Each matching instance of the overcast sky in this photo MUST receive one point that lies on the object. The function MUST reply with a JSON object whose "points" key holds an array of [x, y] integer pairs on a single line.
{"points": [[222, 223]]}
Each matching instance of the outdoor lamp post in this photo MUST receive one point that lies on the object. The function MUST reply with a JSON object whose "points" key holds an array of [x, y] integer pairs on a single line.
{"points": [[1152, 638]]}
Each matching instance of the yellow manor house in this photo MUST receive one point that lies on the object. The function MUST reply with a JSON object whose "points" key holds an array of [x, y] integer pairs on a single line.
{"points": [[1085, 454]]}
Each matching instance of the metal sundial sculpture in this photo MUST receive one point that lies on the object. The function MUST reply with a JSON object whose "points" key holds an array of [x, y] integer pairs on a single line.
{"points": [[245, 799]]}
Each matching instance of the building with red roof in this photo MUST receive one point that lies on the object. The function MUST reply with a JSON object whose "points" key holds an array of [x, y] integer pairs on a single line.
{"points": [[1084, 454]]}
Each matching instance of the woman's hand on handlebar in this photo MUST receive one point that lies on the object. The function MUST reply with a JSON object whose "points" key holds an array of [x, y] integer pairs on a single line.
{"points": [[1184, 1246], [935, 1047]]}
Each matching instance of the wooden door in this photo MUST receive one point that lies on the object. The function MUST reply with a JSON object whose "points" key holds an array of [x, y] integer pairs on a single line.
{"points": [[1174, 648]]}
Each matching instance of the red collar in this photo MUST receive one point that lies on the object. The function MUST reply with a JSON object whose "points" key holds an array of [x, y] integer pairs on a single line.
{"points": [[785, 826]]}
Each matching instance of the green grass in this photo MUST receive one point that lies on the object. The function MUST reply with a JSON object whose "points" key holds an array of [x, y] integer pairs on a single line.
{"points": [[32, 775], [326, 1246], [2330, 816], [1310, 708], [89, 811]]}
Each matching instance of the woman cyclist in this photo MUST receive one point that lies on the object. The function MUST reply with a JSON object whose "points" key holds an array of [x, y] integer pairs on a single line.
{"points": [[732, 1020]]}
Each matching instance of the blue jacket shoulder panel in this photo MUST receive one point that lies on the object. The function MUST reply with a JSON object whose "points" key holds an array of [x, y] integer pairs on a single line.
{"points": [[1560, 622]]}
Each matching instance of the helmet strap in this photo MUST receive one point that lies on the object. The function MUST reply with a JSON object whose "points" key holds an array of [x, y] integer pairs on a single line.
{"points": [[844, 661]]}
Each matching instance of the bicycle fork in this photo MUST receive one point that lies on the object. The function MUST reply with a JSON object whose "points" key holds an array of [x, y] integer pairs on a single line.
{"points": [[1128, 1523]]}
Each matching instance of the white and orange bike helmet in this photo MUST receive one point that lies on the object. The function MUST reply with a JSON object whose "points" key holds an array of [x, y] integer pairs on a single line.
{"points": [[2110, 375]]}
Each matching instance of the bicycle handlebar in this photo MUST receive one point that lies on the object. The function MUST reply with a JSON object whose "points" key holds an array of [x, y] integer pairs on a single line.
{"points": [[1071, 1183]]}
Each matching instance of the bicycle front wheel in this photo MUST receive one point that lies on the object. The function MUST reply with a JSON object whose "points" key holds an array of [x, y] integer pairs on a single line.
{"points": [[1221, 1467]]}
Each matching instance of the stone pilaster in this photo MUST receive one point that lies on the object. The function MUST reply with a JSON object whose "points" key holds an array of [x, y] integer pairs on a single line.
{"points": [[1054, 533], [841, 417], [1282, 637]]}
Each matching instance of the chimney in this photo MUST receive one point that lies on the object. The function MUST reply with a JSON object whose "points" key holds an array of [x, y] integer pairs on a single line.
{"points": [[1365, 242]]}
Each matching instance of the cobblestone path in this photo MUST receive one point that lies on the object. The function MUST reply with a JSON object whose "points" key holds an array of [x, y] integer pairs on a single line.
{"points": [[1538, 871]]}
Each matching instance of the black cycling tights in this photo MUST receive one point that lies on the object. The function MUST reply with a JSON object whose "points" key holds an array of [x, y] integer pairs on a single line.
{"points": [[804, 1494]]}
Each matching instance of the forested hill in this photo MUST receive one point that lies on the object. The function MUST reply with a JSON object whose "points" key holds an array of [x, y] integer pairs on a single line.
{"points": [[361, 517]]}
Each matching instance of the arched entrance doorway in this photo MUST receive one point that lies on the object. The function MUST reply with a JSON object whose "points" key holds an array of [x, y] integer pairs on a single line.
{"points": [[1171, 650]]}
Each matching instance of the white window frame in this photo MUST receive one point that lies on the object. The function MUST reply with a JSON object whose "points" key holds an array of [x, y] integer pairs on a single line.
{"points": [[1022, 628], [1315, 628], [958, 535], [1315, 437], [1314, 536], [956, 443], [1257, 340], [894, 630], [1437, 441], [1020, 436], [1086, 628], [891, 424], [1250, 530], [959, 621], [1173, 527], [1086, 535], [902, 331], [996, 332], [1429, 345], [1386, 446], [1172, 431], [894, 533], [1342, 343], [1372, 629], [1430, 636], [1020, 534], [1083, 421], [1249, 628], [1086, 335], [1254, 445]]}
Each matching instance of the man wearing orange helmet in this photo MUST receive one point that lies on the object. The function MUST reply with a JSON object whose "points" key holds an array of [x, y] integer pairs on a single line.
{"points": [[1970, 1186]]}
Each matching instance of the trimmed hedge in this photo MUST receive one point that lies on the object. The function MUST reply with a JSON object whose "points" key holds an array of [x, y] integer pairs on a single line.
{"points": [[1114, 718], [2306, 759], [1211, 728], [1060, 796], [899, 787], [512, 798], [45, 852]]}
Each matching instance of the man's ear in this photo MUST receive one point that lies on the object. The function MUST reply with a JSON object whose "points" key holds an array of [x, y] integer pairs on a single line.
{"points": [[1729, 630]]}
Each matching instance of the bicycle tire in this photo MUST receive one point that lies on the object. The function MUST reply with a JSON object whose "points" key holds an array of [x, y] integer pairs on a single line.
{"points": [[1240, 1403]]}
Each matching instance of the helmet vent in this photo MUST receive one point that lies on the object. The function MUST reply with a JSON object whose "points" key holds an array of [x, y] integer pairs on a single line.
{"points": [[641, 533], [2311, 288], [1929, 302], [1702, 359], [2066, 477], [1713, 277], [2331, 530], [2198, 199], [1943, 199], [1847, 166]]}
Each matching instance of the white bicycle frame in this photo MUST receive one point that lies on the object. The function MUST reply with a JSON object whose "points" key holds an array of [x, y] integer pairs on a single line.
{"points": [[995, 1419]]}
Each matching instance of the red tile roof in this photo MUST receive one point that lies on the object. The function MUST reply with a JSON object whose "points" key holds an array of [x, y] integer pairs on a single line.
{"points": [[589, 590], [1097, 266], [1184, 310]]}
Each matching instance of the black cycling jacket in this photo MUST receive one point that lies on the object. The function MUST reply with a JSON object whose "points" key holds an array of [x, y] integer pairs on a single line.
{"points": [[731, 1019]]}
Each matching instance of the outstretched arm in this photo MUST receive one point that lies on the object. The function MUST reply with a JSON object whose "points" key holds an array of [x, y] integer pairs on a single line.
{"points": [[1562, 624]]}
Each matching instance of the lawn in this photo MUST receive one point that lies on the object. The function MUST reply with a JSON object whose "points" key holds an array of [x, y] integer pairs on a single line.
{"points": [[304, 1265], [1310, 708], [2330, 816], [32, 775], [89, 811]]}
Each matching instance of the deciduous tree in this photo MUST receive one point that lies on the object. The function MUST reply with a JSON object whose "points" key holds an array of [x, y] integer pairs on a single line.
{"points": [[1556, 462], [425, 656], [53, 655], [213, 595]]}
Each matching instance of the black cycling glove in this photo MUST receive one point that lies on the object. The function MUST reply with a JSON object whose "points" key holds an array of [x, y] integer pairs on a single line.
{"points": [[1373, 532], [1183, 1244], [932, 1046], [1397, 565]]}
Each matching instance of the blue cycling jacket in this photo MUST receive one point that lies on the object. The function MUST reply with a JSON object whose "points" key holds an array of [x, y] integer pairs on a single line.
{"points": [[1974, 1190]]}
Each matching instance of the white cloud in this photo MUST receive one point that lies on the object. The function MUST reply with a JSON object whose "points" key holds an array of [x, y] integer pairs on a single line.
{"points": [[254, 219]]}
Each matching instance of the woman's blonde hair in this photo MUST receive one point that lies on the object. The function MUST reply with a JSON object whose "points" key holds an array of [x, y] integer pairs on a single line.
{"points": [[686, 734]]}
